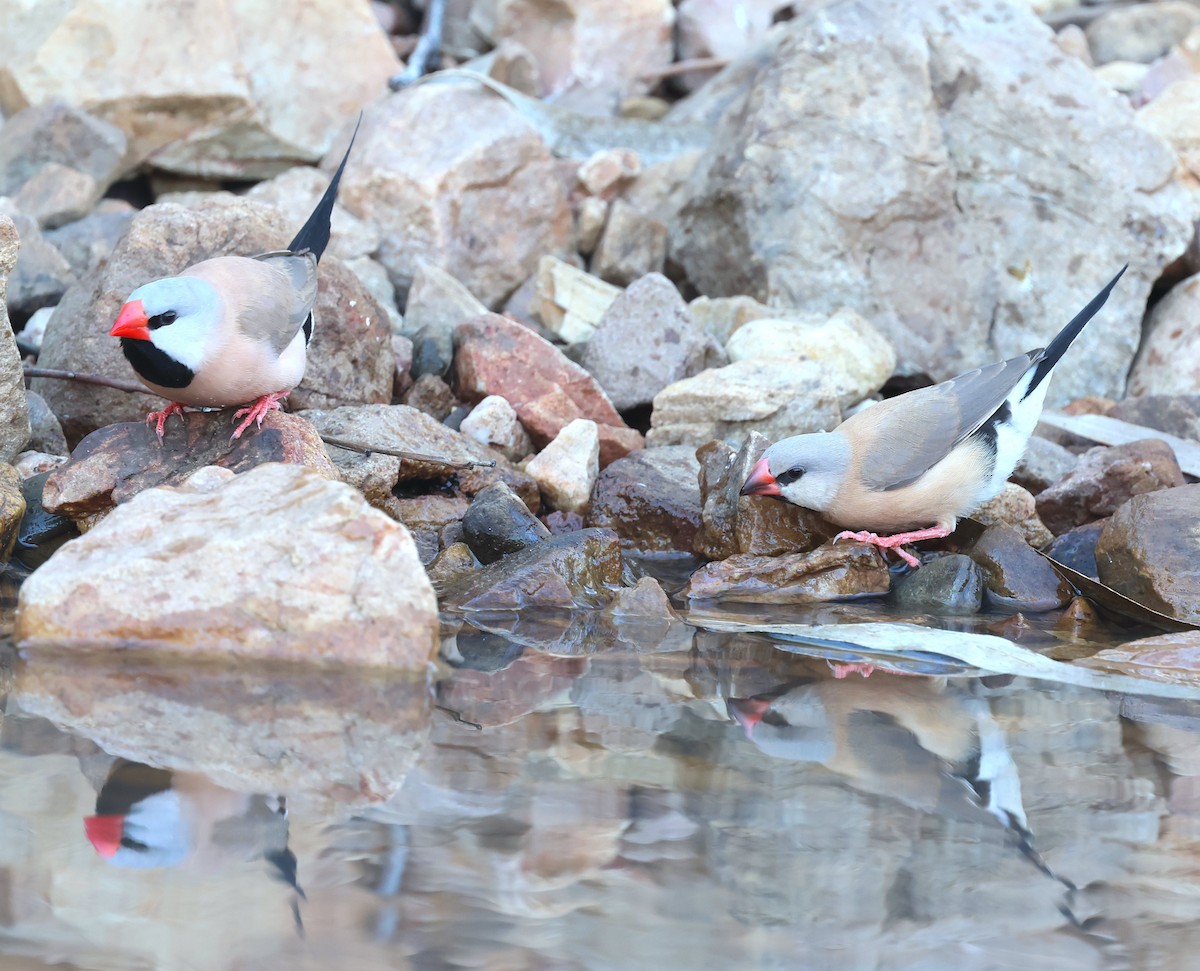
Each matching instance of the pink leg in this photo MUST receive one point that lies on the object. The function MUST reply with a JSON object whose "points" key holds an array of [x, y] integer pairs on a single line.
{"points": [[159, 418], [895, 542], [843, 669], [257, 411]]}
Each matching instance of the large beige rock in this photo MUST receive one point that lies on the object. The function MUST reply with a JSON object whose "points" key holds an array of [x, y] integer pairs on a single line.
{"points": [[602, 45], [1141, 32], [228, 88], [454, 176], [1169, 361], [14, 413], [1175, 116], [776, 398], [957, 132], [566, 469], [275, 564], [349, 361], [856, 358]]}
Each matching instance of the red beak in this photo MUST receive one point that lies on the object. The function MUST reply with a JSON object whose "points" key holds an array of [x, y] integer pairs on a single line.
{"points": [[760, 482], [131, 322], [104, 833], [747, 712]]}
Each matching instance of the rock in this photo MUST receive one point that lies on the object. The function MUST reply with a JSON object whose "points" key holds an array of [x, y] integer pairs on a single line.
{"points": [[609, 171], [723, 316], [1150, 551], [775, 398], [580, 569], [45, 433], [1142, 32], [12, 509], [41, 532], [855, 357], [1172, 658], [483, 200], [405, 429], [85, 242], [450, 566], [498, 356], [29, 337], [224, 94], [56, 135], [493, 422], [732, 523], [349, 360], [1124, 77], [1105, 478], [1175, 414], [645, 341], [590, 216], [57, 194], [1043, 464], [642, 617], [1172, 116], [827, 573], [431, 396], [1017, 508], [498, 523], [437, 303], [14, 412], [566, 469], [930, 122], [281, 564], [1072, 40], [1169, 361], [713, 28], [1076, 548], [951, 584], [375, 278], [30, 463], [295, 194], [569, 302], [402, 353], [41, 276], [631, 245], [651, 499], [435, 521], [560, 522], [115, 463], [604, 47], [1017, 578]]}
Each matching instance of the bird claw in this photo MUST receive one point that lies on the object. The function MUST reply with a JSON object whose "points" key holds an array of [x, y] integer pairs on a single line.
{"points": [[257, 411], [883, 542], [159, 418]]}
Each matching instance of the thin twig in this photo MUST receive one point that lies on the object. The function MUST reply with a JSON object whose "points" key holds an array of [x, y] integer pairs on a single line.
{"points": [[409, 456], [429, 47], [97, 379], [684, 67]]}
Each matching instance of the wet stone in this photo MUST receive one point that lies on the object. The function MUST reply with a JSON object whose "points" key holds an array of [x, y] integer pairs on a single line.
{"points": [[12, 509], [651, 499], [560, 522], [1105, 478], [1076, 548], [832, 572], [950, 584], [498, 523], [41, 532], [1150, 551], [732, 523], [431, 395], [435, 521], [1015, 576], [113, 464], [580, 569], [450, 566]]}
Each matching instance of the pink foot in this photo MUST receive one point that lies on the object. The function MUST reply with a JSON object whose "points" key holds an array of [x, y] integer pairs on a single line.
{"points": [[844, 669], [159, 418], [896, 542], [257, 411]]}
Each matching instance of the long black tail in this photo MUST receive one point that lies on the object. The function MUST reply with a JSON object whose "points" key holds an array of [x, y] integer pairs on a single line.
{"points": [[314, 234], [1058, 346]]}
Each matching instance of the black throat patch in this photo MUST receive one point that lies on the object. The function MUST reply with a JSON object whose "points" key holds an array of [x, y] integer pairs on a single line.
{"points": [[156, 366]]}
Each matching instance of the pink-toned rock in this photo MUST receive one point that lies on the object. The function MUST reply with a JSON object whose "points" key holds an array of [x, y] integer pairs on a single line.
{"points": [[115, 463], [831, 572], [276, 564], [1169, 361], [498, 356], [1104, 479], [482, 199]]}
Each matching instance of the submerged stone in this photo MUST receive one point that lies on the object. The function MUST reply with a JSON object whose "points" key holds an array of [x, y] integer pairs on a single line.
{"points": [[1017, 577], [950, 584], [832, 572]]}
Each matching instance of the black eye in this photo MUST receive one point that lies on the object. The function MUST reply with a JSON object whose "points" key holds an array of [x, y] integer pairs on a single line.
{"points": [[161, 320], [790, 476]]}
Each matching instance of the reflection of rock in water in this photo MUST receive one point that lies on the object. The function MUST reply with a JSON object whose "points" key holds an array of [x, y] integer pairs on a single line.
{"points": [[324, 737]]}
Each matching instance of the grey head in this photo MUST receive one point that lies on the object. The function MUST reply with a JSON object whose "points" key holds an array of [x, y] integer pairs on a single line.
{"points": [[183, 314], [808, 469]]}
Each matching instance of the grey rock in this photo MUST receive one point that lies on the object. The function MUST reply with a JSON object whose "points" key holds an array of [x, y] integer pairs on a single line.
{"points": [[950, 584], [85, 242], [55, 133], [14, 412], [45, 432], [437, 303], [1076, 548], [498, 523], [1175, 414], [645, 341], [631, 244], [1015, 576], [1043, 464], [1140, 32], [41, 276]]}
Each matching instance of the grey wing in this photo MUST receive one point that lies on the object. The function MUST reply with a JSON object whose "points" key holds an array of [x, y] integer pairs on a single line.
{"points": [[301, 272], [919, 429]]}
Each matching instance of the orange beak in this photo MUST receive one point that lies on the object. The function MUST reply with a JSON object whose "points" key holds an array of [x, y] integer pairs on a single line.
{"points": [[104, 833], [760, 482], [747, 712], [131, 322]]}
